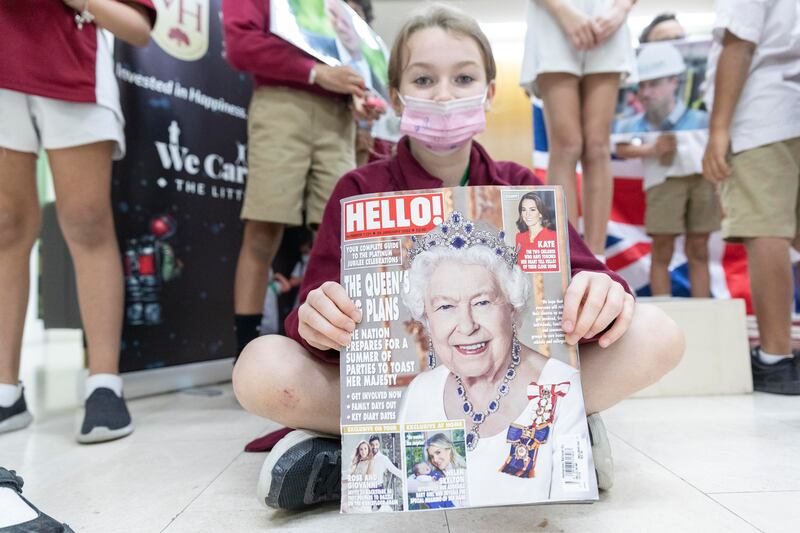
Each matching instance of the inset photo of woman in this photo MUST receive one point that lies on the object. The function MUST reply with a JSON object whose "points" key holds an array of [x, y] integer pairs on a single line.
{"points": [[536, 237]]}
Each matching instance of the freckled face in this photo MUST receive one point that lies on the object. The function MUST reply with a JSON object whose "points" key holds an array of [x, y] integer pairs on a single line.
{"points": [[440, 65]]}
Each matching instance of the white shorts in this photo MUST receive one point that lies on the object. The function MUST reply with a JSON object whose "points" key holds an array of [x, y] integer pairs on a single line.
{"points": [[547, 49], [31, 123]]}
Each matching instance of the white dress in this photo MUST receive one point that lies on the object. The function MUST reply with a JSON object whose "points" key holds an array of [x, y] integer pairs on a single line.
{"points": [[547, 49], [553, 479]]}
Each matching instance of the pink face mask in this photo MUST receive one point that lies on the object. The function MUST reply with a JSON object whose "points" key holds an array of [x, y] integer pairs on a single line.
{"points": [[443, 127]]}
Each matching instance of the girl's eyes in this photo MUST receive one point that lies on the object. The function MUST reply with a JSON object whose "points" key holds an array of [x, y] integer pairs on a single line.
{"points": [[444, 307], [482, 303], [426, 81]]}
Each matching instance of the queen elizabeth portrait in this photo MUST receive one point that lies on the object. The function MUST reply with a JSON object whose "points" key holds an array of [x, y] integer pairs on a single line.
{"points": [[521, 410]]}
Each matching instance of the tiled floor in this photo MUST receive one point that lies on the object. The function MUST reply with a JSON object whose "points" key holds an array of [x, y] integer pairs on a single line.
{"points": [[709, 464]]}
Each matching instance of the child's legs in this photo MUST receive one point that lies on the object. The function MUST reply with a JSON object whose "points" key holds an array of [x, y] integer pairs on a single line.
{"points": [[82, 181], [702, 217], [660, 256], [562, 107], [19, 225], [275, 377], [696, 249], [260, 243], [771, 286], [598, 99], [652, 346]]}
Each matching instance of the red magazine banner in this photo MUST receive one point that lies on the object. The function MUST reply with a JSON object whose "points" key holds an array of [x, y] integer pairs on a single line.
{"points": [[398, 215]]}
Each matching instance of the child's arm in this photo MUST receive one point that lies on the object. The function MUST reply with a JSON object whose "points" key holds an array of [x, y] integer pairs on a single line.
{"points": [[663, 145], [732, 69], [251, 47], [128, 21]]}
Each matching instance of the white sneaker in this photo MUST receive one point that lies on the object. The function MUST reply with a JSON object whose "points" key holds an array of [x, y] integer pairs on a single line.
{"points": [[601, 452], [303, 469]]}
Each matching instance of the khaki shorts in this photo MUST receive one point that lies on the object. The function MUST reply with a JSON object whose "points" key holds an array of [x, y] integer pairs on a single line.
{"points": [[300, 144], [760, 198], [681, 205]]}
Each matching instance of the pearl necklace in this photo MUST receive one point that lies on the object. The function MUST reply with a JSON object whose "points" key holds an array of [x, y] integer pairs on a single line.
{"points": [[479, 417]]}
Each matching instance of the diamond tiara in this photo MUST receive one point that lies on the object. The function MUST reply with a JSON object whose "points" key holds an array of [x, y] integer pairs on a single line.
{"points": [[460, 233]]}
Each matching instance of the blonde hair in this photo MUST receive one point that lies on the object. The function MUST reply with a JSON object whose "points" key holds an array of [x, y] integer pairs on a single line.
{"points": [[440, 440], [449, 19]]}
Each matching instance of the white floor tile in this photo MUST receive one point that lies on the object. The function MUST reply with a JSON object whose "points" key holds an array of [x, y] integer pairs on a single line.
{"points": [[125, 486], [718, 444], [771, 512]]}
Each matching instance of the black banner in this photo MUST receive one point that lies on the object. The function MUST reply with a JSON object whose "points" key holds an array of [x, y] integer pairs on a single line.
{"points": [[177, 194]]}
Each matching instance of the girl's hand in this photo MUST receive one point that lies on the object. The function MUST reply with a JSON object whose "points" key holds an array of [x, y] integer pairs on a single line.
{"points": [[576, 26], [606, 25], [328, 317], [593, 301]]}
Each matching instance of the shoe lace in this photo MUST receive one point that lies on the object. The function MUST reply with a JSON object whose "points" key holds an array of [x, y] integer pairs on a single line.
{"points": [[10, 477]]}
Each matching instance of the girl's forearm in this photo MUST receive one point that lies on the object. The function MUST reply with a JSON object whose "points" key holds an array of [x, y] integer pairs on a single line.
{"points": [[127, 22]]}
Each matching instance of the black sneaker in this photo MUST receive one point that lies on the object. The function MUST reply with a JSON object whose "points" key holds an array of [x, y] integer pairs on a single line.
{"points": [[303, 469], [15, 417], [782, 377], [106, 418], [42, 523]]}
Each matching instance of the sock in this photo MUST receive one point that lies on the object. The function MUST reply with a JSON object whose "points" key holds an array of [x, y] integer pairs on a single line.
{"points": [[9, 394], [601, 258], [771, 359], [247, 327], [15, 510], [107, 381]]}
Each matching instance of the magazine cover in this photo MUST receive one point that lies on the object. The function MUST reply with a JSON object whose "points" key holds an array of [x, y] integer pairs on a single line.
{"points": [[458, 389], [333, 33]]}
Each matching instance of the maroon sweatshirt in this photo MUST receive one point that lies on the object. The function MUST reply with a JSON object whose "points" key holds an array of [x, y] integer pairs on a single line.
{"points": [[251, 47], [403, 172]]}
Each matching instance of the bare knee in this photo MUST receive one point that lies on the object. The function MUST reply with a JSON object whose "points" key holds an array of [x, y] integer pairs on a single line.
{"points": [[86, 226], [662, 356], [662, 249], [697, 249], [261, 239], [17, 229], [596, 150], [569, 146], [263, 377]]}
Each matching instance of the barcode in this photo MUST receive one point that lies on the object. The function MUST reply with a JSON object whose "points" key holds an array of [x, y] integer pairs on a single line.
{"points": [[574, 463], [570, 472]]}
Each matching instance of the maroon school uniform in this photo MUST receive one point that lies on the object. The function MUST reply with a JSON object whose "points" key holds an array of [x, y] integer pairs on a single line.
{"points": [[44, 53], [251, 47], [400, 173]]}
